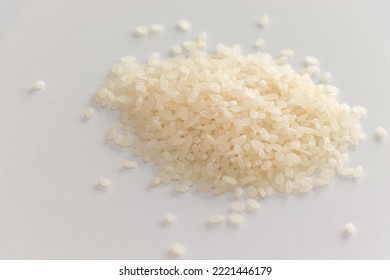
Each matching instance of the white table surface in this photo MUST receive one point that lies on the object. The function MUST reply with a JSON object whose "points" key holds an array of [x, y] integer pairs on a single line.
{"points": [[50, 159]]}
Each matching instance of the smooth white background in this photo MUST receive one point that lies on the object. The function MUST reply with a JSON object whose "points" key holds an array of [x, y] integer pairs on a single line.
{"points": [[51, 159]]}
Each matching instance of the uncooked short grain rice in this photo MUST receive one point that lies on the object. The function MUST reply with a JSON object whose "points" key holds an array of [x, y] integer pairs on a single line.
{"points": [[178, 249], [182, 188], [311, 60], [105, 182], [349, 229], [184, 25], [169, 218], [259, 43], [287, 52], [263, 21], [155, 182], [235, 218], [228, 122], [129, 164], [89, 113], [381, 133], [38, 85], [238, 206], [325, 77], [253, 204], [141, 31], [156, 28], [216, 219]]}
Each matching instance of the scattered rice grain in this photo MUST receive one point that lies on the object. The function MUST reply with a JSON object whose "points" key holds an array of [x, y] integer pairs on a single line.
{"points": [[259, 43], [237, 206], [287, 52], [325, 77], [141, 31], [178, 250], [235, 218], [311, 60], [359, 110], [253, 204], [155, 182], [264, 21], [89, 113], [169, 218], [181, 188], [380, 133], [184, 25], [216, 219], [38, 85], [357, 172], [157, 28], [129, 164], [105, 182], [349, 229]]}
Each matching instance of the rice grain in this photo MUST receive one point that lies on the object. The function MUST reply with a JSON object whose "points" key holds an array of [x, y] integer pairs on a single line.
{"points": [[235, 218], [105, 182], [264, 21], [89, 113], [38, 85], [184, 25], [380, 133], [349, 229], [178, 250], [216, 219]]}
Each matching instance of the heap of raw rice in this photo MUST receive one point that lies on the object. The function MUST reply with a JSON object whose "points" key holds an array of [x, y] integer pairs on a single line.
{"points": [[224, 121]]}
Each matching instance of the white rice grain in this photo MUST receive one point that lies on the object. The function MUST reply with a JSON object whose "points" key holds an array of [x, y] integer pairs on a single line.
{"points": [[325, 77], [237, 206], [141, 31], [380, 133], [287, 52], [235, 218], [359, 110], [169, 218], [349, 229], [155, 182], [216, 219], [38, 85], [89, 113], [264, 21], [184, 25], [129, 164], [311, 60], [181, 188], [357, 172], [156, 28], [178, 250], [259, 42], [176, 49], [105, 182], [253, 204]]}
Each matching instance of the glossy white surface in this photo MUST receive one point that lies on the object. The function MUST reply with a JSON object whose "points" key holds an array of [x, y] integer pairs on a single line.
{"points": [[51, 158]]}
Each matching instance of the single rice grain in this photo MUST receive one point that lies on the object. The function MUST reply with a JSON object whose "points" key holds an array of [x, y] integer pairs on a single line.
{"points": [[349, 229], [178, 249], [38, 85]]}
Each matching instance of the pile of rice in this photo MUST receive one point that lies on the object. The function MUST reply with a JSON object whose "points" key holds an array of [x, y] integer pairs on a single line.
{"points": [[225, 120]]}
